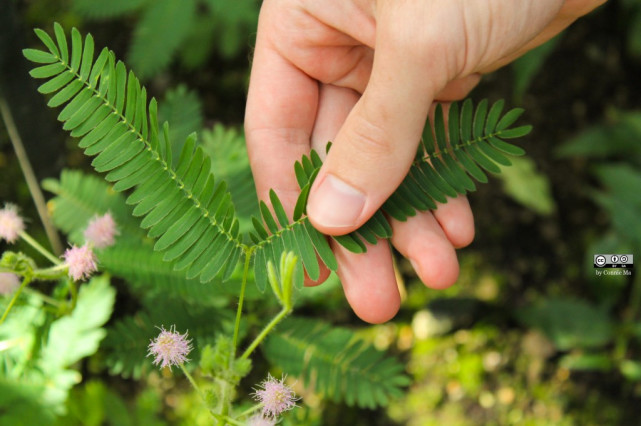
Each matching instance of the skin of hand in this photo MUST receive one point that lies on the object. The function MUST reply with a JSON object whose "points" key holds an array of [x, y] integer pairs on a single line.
{"points": [[364, 74]]}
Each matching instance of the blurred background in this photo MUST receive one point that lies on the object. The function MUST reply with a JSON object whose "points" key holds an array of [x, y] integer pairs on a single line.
{"points": [[529, 335]]}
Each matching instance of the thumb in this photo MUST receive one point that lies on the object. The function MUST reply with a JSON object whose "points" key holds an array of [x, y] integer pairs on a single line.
{"points": [[374, 149]]}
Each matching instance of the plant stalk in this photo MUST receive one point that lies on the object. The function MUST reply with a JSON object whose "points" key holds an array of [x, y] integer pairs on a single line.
{"points": [[241, 298], [25, 282], [30, 176], [268, 328], [193, 382], [43, 251]]}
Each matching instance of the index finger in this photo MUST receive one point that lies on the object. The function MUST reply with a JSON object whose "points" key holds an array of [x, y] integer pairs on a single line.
{"points": [[279, 118]]}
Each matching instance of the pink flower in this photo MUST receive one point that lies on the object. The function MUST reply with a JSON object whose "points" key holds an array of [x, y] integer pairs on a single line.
{"points": [[81, 262], [8, 283], [259, 420], [11, 224], [170, 348], [101, 231], [275, 396]]}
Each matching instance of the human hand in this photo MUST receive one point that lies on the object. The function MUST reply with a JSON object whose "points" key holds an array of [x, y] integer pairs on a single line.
{"points": [[364, 74]]}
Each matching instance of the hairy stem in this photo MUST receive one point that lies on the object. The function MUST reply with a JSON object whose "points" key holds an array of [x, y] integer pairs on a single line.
{"points": [[268, 328], [25, 282], [43, 251], [250, 410], [241, 298], [30, 176], [193, 382], [50, 300]]}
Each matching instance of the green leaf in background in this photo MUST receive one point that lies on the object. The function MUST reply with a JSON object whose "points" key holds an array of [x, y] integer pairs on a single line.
{"points": [[80, 197], [183, 109], [21, 405], [74, 337], [226, 147], [622, 199], [48, 368], [95, 404], [161, 29], [341, 366], [587, 362], [632, 11], [631, 369], [619, 136], [232, 22], [527, 185], [102, 9], [569, 323], [527, 66]]}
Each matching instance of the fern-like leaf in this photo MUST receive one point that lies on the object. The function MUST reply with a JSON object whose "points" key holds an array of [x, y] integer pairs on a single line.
{"points": [[106, 106], [339, 365], [451, 157]]}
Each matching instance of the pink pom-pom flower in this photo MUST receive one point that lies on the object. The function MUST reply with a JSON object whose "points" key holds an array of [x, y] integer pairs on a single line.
{"points": [[170, 348], [11, 224], [101, 231], [275, 397], [81, 262]]}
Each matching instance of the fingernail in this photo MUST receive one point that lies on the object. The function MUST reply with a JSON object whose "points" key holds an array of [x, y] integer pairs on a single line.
{"points": [[335, 204]]}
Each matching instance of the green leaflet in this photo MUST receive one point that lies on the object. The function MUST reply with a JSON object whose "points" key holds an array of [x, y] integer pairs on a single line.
{"points": [[191, 214]]}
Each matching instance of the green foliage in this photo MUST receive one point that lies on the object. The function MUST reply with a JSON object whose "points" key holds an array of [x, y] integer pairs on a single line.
{"points": [[80, 197], [226, 148], [528, 66], [622, 198], [617, 137], [197, 28], [339, 365], [528, 186], [163, 26], [569, 323], [632, 14], [183, 108], [106, 9], [49, 349], [95, 404], [615, 145], [21, 404]]}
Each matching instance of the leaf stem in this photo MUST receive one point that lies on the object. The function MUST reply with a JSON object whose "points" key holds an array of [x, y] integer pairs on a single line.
{"points": [[25, 282], [193, 382], [43, 251], [44, 297], [222, 420], [241, 298], [250, 410], [30, 176], [268, 328]]}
